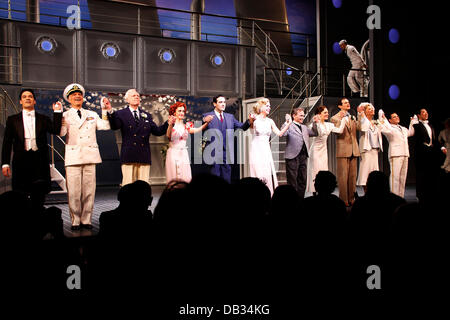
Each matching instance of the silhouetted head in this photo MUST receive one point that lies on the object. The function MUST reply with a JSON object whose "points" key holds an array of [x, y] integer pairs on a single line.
{"points": [[252, 196], [285, 201], [325, 182], [377, 183]]}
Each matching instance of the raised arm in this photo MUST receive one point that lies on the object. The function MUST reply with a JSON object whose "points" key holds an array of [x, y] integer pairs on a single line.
{"points": [[64, 125], [114, 122], [339, 129], [284, 128], [158, 130], [54, 127], [103, 122], [193, 130]]}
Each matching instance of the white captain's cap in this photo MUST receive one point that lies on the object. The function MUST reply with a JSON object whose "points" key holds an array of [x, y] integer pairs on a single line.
{"points": [[342, 42], [71, 88]]}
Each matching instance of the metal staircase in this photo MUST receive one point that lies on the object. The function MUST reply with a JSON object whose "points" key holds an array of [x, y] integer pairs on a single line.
{"points": [[276, 78]]}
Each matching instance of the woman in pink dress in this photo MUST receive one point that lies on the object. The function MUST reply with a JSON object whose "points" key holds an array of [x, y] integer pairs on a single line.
{"points": [[178, 164], [260, 156]]}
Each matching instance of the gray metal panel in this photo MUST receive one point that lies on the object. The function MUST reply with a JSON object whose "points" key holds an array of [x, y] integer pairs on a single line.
{"points": [[102, 73], [211, 80], [45, 70], [166, 77]]}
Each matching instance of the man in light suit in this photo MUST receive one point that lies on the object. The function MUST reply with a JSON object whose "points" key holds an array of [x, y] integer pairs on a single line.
{"points": [[136, 126], [82, 155], [347, 152], [296, 153], [26, 133], [224, 125], [398, 153], [426, 152]]}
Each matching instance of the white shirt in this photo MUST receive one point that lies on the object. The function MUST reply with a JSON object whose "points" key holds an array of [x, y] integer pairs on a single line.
{"points": [[133, 110], [29, 126], [218, 114], [430, 134]]}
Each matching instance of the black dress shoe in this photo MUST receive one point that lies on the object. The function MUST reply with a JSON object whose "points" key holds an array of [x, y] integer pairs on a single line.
{"points": [[75, 228], [86, 226]]}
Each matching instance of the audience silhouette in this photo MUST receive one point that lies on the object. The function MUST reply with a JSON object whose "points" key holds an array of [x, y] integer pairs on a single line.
{"points": [[218, 238]]}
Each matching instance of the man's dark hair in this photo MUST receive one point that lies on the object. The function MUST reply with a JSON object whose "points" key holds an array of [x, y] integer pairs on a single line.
{"points": [[341, 99], [24, 90], [217, 97], [295, 110], [419, 110], [391, 113]]}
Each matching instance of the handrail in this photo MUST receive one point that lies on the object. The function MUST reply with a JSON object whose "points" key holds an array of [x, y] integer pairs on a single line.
{"points": [[284, 99], [304, 89], [10, 100]]}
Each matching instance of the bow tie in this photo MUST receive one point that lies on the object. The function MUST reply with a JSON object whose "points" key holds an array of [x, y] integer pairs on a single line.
{"points": [[424, 121]]}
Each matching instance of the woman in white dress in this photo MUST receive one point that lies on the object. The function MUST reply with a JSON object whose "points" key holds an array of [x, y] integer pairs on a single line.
{"points": [[370, 143], [178, 164], [261, 161], [318, 152]]}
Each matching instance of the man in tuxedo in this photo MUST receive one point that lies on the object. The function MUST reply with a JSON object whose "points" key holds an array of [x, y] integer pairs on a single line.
{"points": [[347, 152], [425, 155], [296, 153], [398, 154], [26, 133], [82, 155], [224, 125], [136, 126]]}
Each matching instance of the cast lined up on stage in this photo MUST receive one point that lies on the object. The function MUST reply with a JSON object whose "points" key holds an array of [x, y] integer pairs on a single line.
{"points": [[25, 134], [178, 162], [318, 153], [260, 156]]}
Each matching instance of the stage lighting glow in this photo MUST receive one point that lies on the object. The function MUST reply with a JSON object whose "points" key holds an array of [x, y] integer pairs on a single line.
{"points": [[110, 50], [217, 60], [337, 3], [336, 48], [166, 55], [288, 71], [394, 92], [394, 35], [46, 44]]}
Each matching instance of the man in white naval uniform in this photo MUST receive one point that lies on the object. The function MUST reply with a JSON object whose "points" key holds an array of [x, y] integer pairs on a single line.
{"points": [[357, 62], [398, 153], [82, 155]]}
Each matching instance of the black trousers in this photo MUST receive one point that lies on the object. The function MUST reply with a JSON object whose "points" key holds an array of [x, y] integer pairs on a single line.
{"points": [[296, 172], [29, 167]]}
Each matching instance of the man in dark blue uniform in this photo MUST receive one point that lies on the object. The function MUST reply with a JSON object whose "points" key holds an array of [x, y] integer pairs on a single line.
{"points": [[136, 125]]}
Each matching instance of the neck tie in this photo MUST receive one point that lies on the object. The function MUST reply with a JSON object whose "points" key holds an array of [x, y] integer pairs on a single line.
{"points": [[79, 113], [299, 126], [136, 116], [221, 118]]}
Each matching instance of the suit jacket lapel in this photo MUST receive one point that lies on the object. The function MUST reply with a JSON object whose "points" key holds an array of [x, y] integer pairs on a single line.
{"points": [[38, 123], [349, 124], [20, 129]]}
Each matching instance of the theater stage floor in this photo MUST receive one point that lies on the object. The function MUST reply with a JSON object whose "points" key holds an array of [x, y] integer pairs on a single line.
{"points": [[106, 199]]}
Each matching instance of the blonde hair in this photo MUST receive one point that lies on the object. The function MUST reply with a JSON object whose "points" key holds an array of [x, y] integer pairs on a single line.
{"points": [[366, 105], [261, 103]]}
